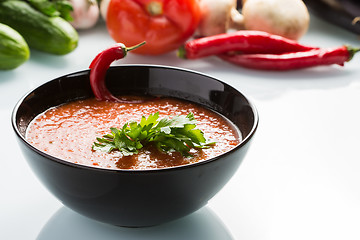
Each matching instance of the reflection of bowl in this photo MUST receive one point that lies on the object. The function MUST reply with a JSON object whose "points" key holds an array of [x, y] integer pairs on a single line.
{"points": [[202, 224], [137, 198]]}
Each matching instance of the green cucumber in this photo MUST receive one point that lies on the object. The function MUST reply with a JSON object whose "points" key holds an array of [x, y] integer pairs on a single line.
{"points": [[14, 51], [48, 34]]}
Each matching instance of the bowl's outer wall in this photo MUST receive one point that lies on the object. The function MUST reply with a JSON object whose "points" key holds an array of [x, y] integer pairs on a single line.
{"points": [[134, 199], [137, 198]]}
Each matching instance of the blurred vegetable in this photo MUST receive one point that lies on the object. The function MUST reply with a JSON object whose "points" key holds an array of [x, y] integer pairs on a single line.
{"points": [[287, 18], [261, 50], [295, 60], [342, 13], [218, 17], [14, 51], [53, 8], [242, 41], [49, 34], [164, 24], [104, 4], [85, 13]]}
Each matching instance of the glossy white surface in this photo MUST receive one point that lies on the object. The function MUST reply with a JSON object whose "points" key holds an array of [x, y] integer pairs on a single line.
{"points": [[299, 180]]}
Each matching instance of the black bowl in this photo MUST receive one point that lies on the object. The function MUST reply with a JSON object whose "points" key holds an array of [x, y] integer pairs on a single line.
{"points": [[136, 198]]}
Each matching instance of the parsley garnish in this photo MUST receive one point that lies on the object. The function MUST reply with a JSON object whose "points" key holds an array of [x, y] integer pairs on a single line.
{"points": [[178, 133]]}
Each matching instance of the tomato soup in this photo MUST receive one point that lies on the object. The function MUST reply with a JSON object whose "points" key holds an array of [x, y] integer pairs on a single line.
{"points": [[69, 131]]}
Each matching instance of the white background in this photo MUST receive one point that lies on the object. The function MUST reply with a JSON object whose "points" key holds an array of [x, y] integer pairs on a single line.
{"points": [[299, 180]]}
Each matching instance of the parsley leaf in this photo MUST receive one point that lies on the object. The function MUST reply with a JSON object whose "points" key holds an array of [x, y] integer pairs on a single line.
{"points": [[178, 133]]}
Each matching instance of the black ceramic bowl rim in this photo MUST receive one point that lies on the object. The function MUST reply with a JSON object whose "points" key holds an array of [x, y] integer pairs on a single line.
{"points": [[191, 165]]}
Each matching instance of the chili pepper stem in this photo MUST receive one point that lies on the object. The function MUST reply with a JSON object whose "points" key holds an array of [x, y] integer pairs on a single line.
{"points": [[136, 46], [182, 52], [125, 49], [352, 51]]}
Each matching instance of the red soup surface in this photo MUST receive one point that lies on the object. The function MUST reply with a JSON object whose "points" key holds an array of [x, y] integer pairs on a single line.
{"points": [[69, 131]]}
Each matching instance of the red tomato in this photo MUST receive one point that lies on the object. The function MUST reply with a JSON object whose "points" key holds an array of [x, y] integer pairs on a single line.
{"points": [[164, 24]]}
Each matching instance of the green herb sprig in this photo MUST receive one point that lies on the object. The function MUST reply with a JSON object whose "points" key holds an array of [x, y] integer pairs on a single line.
{"points": [[178, 133]]}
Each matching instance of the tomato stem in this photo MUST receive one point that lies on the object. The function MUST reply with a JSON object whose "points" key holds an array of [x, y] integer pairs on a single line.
{"points": [[154, 8]]}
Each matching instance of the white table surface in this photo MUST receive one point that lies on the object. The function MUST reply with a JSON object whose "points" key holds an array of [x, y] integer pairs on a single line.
{"points": [[299, 180]]}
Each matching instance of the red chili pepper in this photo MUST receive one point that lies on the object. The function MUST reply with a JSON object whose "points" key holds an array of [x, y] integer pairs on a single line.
{"points": [[100, 65], [296, 60], [242, 41]]}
